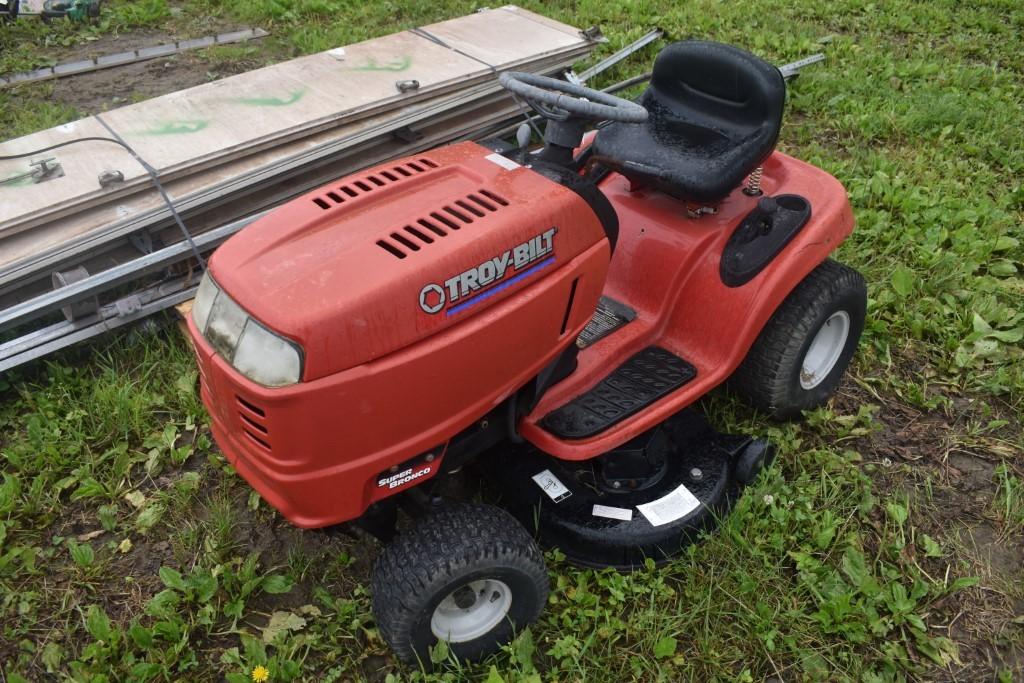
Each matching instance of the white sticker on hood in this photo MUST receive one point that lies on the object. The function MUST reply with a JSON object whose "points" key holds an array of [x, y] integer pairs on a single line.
{"points": [[502, 161], [675, 505]]}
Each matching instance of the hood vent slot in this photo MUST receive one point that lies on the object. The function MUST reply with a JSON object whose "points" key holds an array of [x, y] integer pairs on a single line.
{"points": [[369, 183], [252, 419], [440, 223]]}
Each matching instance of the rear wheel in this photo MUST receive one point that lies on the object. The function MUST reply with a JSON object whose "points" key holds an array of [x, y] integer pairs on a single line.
{"points": [[468, 574], [801, 354]]}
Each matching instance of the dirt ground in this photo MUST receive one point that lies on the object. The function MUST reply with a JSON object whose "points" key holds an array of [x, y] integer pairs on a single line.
{"points": [[947, 476], [105, 89]]}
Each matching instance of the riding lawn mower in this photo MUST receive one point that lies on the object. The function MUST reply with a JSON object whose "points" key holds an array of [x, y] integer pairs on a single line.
{"points": [[548, 317]]}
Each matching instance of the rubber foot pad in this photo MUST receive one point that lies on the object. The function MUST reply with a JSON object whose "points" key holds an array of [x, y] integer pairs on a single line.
{"points": [[640, 381]]}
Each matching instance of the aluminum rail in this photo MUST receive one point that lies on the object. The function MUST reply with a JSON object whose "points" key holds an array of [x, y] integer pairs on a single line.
{"points": [[615, 58], [792, 70], [129, 57], [111, 316], [118, 275]]}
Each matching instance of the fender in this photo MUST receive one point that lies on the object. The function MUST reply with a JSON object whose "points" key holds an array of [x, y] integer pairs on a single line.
{"points": [[667, 267]]}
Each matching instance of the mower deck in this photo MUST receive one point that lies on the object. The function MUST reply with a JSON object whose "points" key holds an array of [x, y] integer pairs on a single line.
{"points": [[646, 499]]}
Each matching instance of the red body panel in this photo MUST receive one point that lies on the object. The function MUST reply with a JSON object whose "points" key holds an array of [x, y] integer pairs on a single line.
{"points": [[666, 266], [385, 380], [320, 277]]}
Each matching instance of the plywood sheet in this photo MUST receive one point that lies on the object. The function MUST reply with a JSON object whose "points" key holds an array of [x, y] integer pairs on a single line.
{"points": [[499, 37], [189, 130], [80, 230]]}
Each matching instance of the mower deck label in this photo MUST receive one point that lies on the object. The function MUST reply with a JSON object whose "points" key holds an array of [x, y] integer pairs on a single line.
{"points": [[552, 486], [609, 512], [476, 284], [675, 505]]}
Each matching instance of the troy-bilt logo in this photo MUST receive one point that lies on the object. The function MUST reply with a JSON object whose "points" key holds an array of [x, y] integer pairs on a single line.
{"points": [[476, 284]]}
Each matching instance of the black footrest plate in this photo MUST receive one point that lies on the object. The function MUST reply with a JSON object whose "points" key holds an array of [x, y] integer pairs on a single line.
{"points": [[640, 381]]}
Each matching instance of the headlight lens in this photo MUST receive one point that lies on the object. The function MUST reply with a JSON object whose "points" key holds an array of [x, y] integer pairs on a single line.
{"points": [[264, 357], [205, 295], [227, 320], [251, 348]]}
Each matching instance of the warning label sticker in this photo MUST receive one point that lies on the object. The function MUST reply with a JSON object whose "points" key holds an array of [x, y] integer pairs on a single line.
{"points": [[552, 486], [675, 505], [609, 316]]}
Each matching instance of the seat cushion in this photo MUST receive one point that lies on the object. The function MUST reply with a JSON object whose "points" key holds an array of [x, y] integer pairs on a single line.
{"points": [[715, 113]]}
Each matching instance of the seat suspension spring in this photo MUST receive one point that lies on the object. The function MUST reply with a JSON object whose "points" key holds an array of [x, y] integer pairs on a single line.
{"points": [[753, 188]]}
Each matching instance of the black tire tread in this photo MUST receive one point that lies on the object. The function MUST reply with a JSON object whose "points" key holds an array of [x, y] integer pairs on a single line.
{"points": [[762, 378], [438, 547]]}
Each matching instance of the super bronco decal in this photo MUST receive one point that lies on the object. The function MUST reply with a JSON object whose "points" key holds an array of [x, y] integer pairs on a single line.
{"points": [[402, 478], [490, 277]]}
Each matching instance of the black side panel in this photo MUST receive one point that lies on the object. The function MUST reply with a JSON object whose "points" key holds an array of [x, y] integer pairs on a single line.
{"points": [[761, 236], [640, 381], [588, 191]]}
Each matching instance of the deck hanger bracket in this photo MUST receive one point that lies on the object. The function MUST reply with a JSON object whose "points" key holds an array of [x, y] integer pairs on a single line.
{"points": [[39, 171]]}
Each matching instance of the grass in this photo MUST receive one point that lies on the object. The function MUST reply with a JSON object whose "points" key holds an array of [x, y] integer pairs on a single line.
{"points": [[884, 546]]}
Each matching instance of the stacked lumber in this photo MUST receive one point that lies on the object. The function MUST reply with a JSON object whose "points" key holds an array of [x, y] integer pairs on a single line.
{"points": [[234, 146]]}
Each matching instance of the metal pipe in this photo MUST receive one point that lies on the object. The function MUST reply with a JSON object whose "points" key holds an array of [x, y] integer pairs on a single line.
{"points": [[118, 275], [617, 57]]}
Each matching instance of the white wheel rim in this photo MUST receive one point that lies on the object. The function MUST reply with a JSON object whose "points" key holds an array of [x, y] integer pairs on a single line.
{"points": [[491, 600], [825, 350]]}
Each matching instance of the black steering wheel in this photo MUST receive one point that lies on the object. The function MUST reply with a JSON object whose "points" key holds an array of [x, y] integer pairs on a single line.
{"points": [[559, 100]]}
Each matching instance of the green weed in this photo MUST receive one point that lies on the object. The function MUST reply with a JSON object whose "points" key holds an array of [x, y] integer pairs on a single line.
{"points": [[1008, 503]]}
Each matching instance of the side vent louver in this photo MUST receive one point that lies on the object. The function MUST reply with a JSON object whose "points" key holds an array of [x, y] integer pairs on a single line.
{"points": [[253, 422], [368, 183], [449, 218]]}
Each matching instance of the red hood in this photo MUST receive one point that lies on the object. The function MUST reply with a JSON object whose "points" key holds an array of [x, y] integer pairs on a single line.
{"points": [[376, 261]]}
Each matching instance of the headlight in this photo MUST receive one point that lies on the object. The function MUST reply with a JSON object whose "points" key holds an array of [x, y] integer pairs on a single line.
{"points": [[205, 295], [264, 357], [251, 348], [227, 320]]}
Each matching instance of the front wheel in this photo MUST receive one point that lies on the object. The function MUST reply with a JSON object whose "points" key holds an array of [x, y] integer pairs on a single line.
{"points": [[468, 574], [800, 356]]}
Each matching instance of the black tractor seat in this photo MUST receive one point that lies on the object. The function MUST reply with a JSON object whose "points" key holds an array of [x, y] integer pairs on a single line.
{"points": [[715, 113]]}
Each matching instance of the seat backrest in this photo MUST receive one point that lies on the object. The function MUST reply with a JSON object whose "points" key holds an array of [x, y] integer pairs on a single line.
{"points": [[715, 112], [717, 86]]}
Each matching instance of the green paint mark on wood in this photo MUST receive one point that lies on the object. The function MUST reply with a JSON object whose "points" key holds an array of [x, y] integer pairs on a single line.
{"points": [[400, 64], [17, 180], [176, 127], [292, 98]]}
